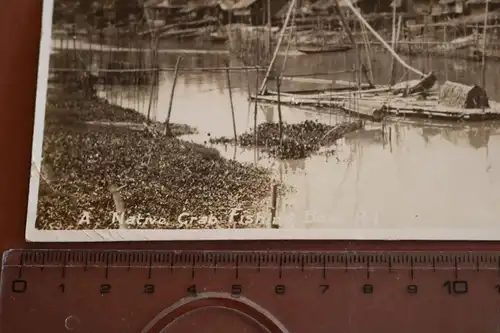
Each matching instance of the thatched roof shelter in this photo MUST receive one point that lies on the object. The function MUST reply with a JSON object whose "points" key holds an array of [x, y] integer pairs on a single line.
{"points": [[459, 95]]}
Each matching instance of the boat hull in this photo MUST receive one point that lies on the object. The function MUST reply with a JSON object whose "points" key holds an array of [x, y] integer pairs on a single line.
{"points": [[332, 49]]}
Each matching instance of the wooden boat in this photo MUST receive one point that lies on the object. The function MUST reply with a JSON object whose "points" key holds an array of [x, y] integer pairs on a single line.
{"points": [[324, 49], [217, 37], [452, 101], [123, 74]]}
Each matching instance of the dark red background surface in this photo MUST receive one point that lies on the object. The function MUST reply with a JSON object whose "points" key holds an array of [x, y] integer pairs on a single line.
{"points": [[20, 22]]}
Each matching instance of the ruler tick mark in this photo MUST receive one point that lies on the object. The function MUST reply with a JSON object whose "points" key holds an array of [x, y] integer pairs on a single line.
{"points": [[368, 269], [324, 267], [106, 269], [433, 264], [237, 268], [411, 268], [85, 262], [390, 264], [43, 262], [258, 264], [21, 263], [455, 271], [281, 267], [192, 267], [150, 267]]}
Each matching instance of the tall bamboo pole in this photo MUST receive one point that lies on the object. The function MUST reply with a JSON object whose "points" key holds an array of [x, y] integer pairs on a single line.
{"points": [[380, 39], [483, 62], [277, 48]]}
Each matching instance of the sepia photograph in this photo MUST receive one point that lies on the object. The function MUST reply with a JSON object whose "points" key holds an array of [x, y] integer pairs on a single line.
{"points": [[258, 119]]}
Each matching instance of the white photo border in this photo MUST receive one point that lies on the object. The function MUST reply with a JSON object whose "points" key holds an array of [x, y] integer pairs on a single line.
{"points": [[117, 235]]}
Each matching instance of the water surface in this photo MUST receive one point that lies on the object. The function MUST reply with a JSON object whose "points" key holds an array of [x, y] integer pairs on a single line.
{"points": [[428, 175]]}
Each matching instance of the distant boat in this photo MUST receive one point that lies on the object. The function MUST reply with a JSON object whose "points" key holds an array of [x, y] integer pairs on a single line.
{"points": [[218, 37], [324, 49]]}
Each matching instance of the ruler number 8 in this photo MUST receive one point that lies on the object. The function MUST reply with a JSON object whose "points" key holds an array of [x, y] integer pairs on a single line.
{"points": [[279, 289]]}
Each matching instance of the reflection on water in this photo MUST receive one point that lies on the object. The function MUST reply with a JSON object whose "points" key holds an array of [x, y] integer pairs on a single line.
{"points": [[440, 175]]}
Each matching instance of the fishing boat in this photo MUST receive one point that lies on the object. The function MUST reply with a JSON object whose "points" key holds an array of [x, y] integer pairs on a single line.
{"points": [[218, 37], [421, 98], [311, 49]]}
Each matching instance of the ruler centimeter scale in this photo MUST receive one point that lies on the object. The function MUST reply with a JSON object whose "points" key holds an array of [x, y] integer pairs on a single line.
{"points": [[211, 291]]}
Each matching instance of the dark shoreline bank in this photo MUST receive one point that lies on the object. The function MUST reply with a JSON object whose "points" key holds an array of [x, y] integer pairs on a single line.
{"points": [[85, 155]]}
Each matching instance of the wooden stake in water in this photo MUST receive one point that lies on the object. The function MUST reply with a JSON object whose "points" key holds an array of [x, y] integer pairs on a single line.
{"points": [[483, 60], [176, 73], [394, 46], [280, 119], [119, 205], [393, 40], [426, 32], [255, 133], [228, 76], [445, 39], [274, 201], [154, 75]]}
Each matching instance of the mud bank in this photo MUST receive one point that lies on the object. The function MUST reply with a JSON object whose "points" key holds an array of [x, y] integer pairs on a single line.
{"points": [[90, 169]]}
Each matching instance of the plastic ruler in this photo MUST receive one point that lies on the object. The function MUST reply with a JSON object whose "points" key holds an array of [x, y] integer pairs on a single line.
{"points": [[208, 292]]}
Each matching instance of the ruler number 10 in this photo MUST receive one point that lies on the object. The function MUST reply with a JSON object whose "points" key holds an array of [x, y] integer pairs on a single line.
{"points": [[456, 287]]}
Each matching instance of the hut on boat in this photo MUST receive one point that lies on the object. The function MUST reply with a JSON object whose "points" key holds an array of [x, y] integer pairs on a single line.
{"points": [[200, 9], [463, 96], [164, 11], [478, 6], [255, 12]]}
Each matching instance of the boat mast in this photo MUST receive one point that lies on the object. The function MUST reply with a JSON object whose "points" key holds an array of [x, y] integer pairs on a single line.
{"points": [[353, 42], [483, 62], [381, 40], [277, 48], [269, 27]]}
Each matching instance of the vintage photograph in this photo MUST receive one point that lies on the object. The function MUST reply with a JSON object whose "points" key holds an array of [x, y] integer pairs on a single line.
{"points": [[260, 119]]}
